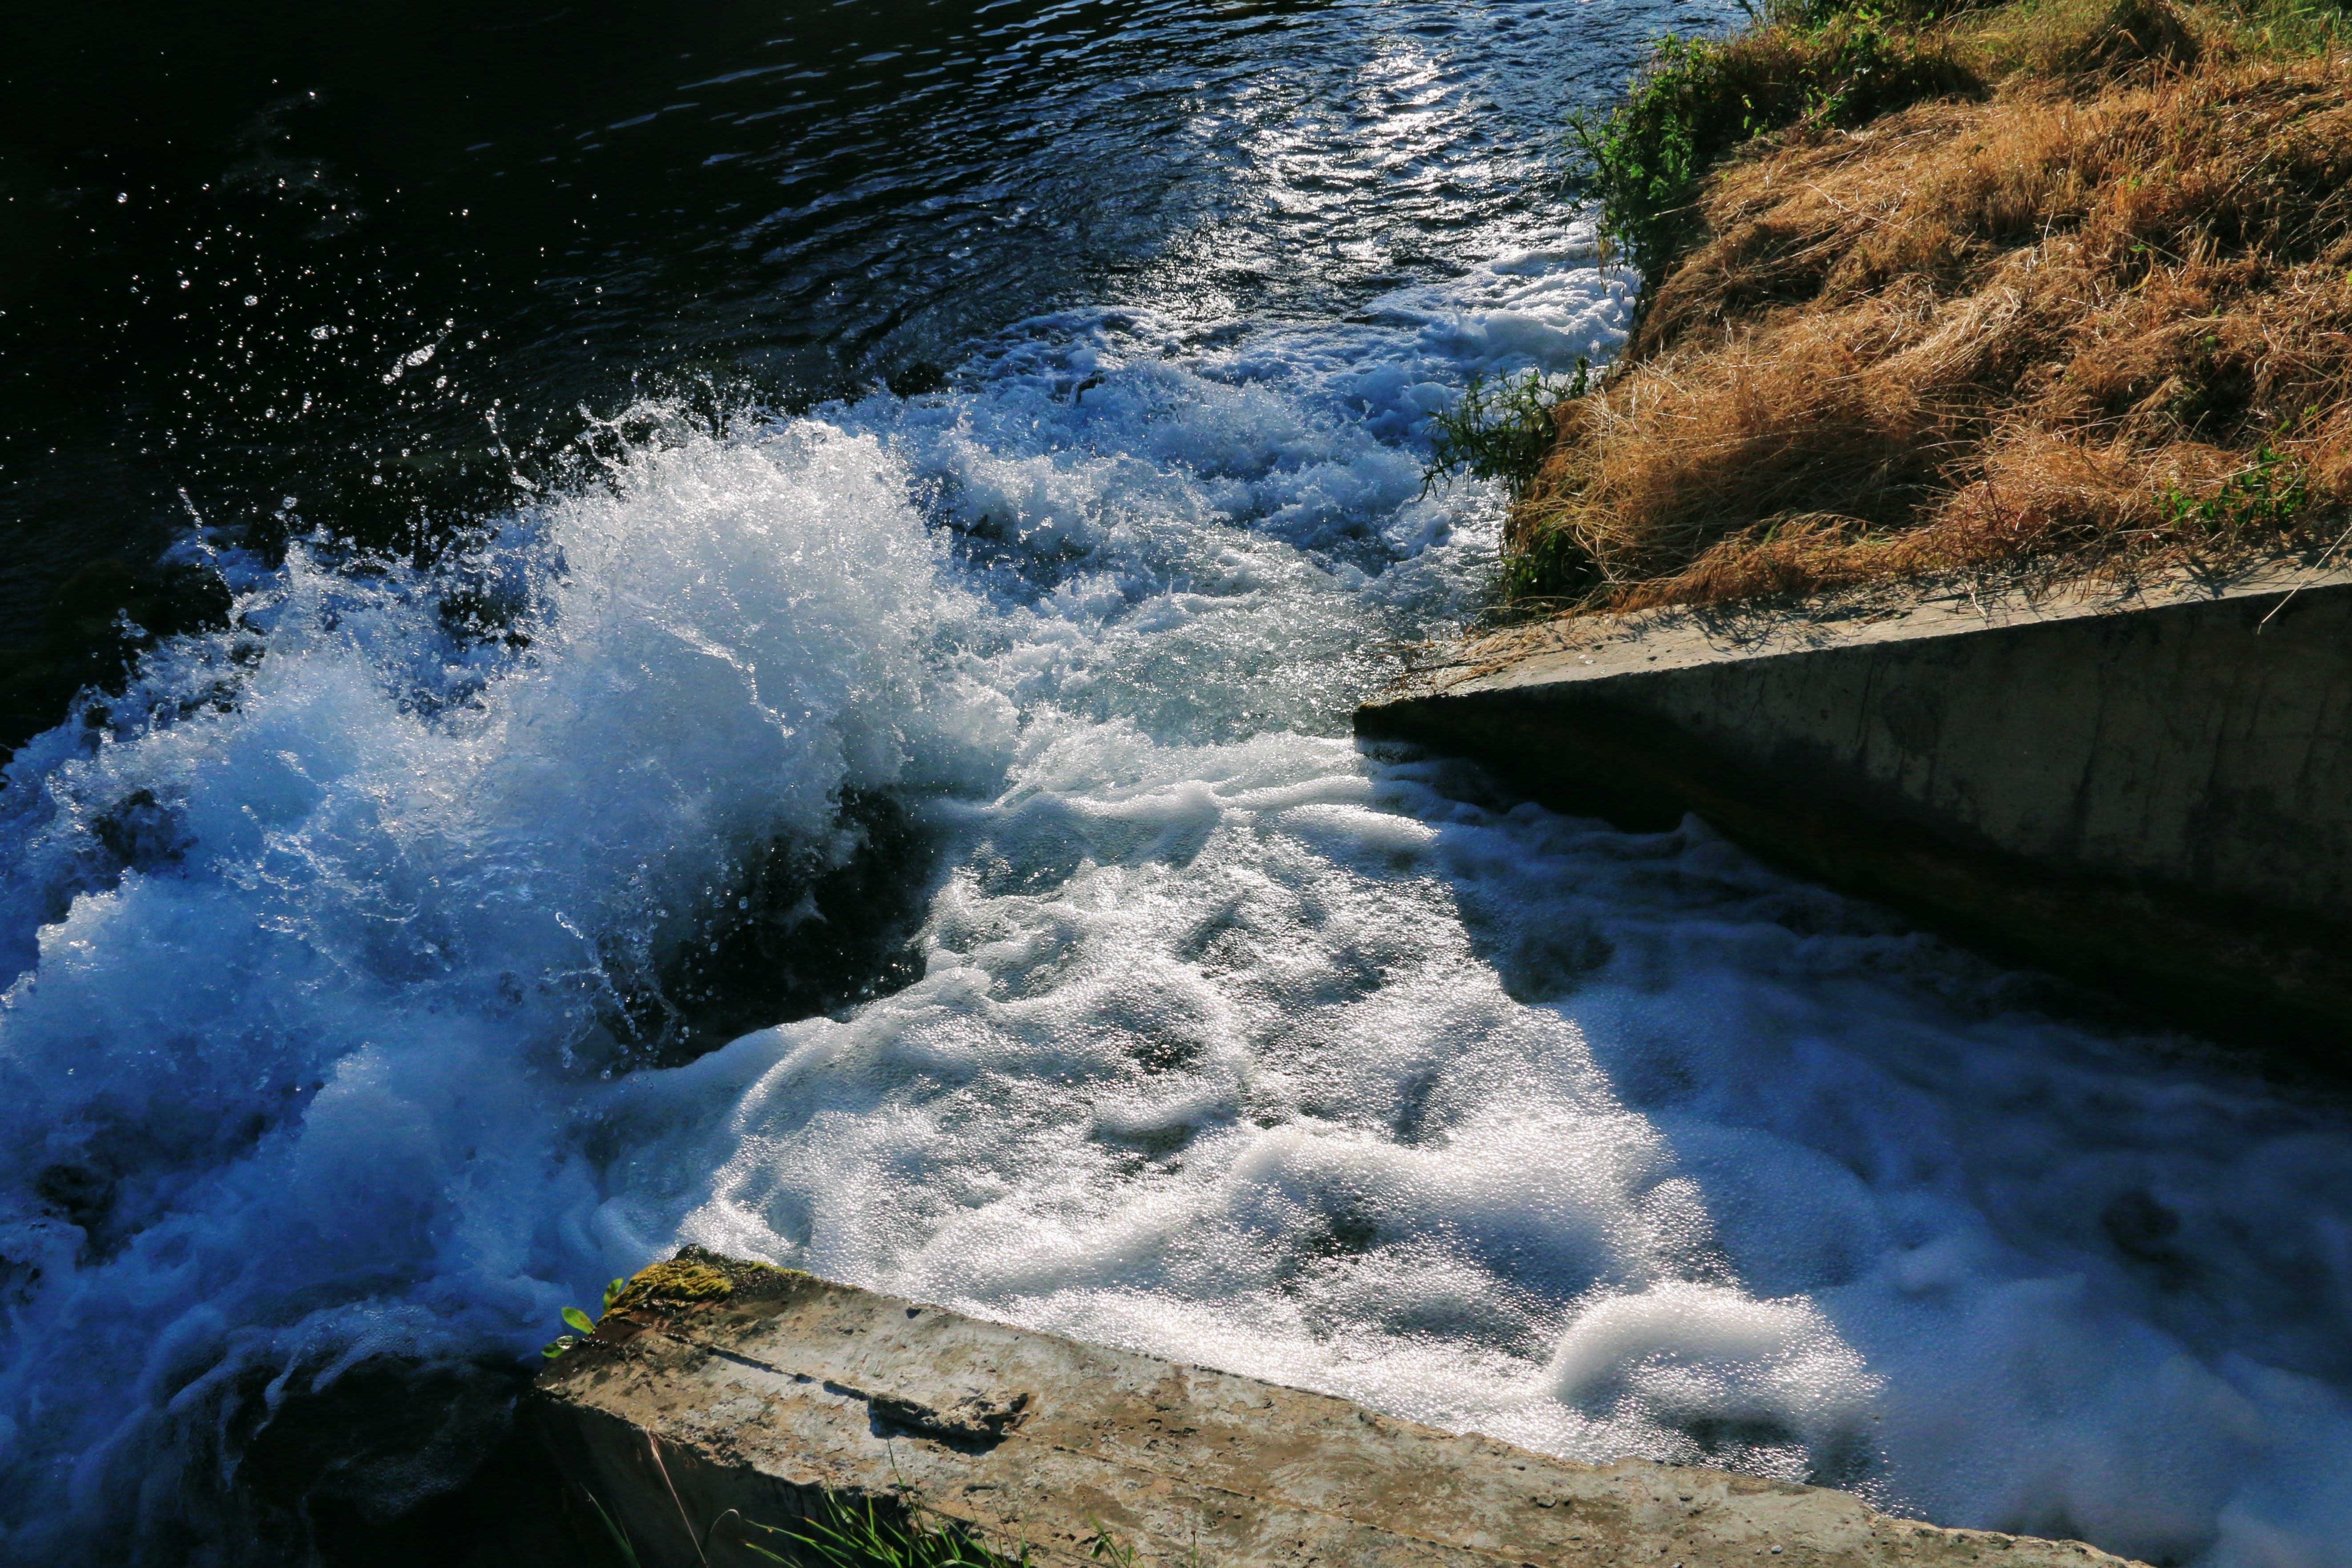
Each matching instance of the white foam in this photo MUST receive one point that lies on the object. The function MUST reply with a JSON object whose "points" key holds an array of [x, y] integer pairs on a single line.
{"points": [[1232, 1043]]}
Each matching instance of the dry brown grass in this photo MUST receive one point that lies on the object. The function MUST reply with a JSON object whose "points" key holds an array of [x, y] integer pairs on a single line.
{"points": [[2098, 320]]}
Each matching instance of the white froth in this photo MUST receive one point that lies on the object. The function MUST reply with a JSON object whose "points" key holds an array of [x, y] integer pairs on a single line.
{"points": [[1233, 1042]]}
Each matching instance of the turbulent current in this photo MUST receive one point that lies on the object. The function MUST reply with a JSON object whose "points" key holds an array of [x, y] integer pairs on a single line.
{"points": [[396, 967]]}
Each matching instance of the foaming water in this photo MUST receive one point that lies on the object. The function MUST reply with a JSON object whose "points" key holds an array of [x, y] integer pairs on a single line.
{"points": [[1231, 1041], [349, 948]]}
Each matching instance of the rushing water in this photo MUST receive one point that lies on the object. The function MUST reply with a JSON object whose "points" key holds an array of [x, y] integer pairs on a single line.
{"points": [[370, 955]]}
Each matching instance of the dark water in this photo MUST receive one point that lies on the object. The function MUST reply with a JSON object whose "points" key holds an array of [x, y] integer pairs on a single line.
{"points": [[228, 225]]}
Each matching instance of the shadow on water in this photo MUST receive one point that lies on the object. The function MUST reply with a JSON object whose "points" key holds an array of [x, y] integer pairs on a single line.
{"points": [[1840, 1064]]}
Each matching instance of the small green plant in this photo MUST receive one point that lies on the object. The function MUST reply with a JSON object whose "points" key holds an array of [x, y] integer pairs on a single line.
{"points": [[622, 1544], [2269, 494], [1819, 62], [860, 1534], [1502, 429], [583, 1324], [864, 1533], [1108, 1548], [1643, 160], [1548, 569]]}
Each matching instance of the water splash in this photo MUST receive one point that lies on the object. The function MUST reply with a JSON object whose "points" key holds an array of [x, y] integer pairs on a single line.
{"points": [[337, 940]]}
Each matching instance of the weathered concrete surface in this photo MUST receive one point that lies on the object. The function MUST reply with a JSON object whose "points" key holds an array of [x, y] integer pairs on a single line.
{"points": [[689, 1417], [2155, 796]]}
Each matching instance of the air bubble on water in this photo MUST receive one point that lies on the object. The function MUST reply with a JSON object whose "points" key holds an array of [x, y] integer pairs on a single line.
{"points": [[1221, 1038]]}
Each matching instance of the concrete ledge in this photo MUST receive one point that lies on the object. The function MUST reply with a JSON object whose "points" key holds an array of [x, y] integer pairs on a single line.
{"points": [[726, 1391], [2154, 796]]}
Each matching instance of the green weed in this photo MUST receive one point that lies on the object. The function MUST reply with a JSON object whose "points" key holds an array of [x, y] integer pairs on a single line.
{"points": [[1822, 63], [860, 1534], [845, 1533], [1502, 429], [863, 1532], [2268, 495], [580, 1323], [1108, 1548], [622, 1544]]}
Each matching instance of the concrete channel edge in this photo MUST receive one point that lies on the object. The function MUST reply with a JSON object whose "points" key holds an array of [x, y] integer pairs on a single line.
{"points": [[2147, 795], [720, 1395]]}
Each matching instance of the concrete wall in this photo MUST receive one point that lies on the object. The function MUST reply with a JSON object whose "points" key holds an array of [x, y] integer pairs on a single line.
{"points": [[697, 1414], [2154, 798]]}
